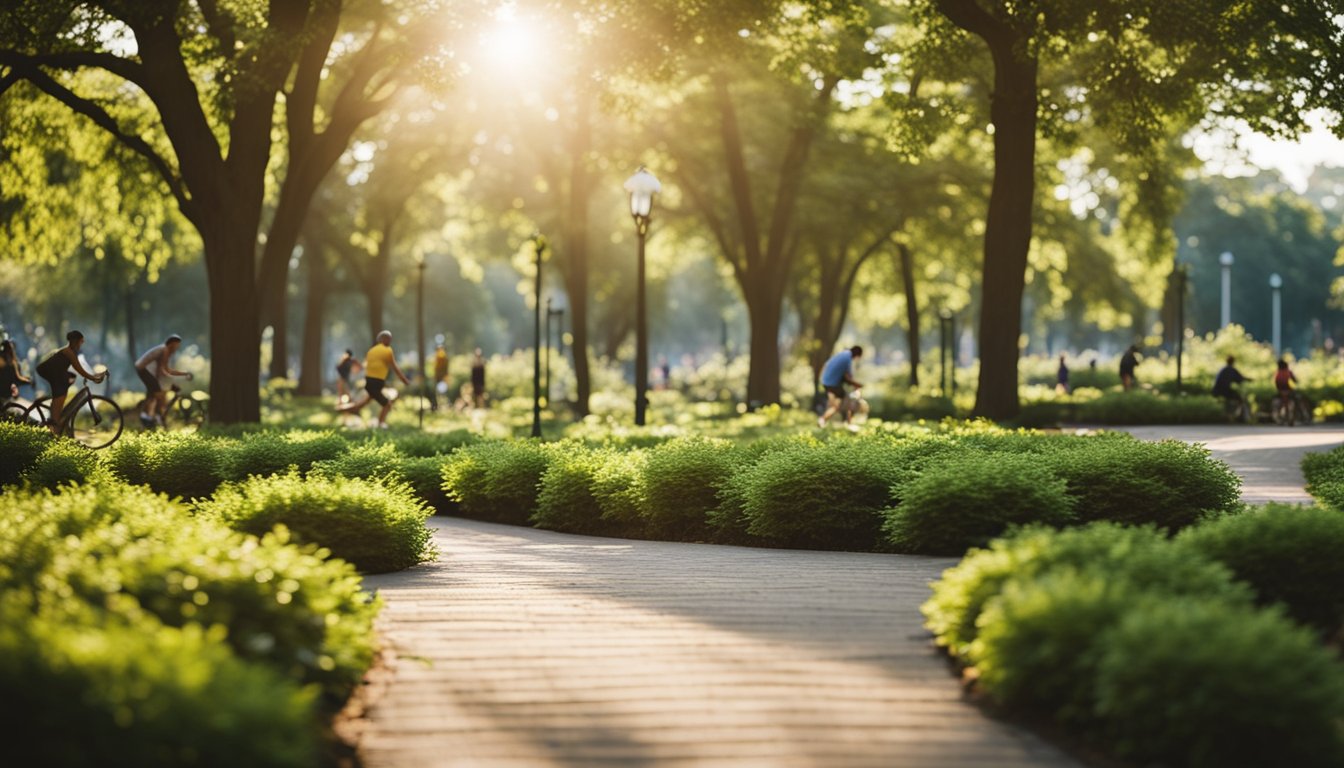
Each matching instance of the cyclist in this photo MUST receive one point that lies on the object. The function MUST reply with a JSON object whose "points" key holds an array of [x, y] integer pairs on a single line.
{"points": [[345, 368], [154, 369], [839, 370], [377, 364], [55, 370], [1224, 384], [10, 377], [1283, 382]]}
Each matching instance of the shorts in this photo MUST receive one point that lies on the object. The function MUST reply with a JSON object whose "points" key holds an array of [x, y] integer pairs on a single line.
{"points": [[838, 390], [152, 385], [375, 389], [58, 381]]}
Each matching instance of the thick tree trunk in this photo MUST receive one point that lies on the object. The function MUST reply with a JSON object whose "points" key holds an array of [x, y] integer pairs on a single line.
{"points": [[235, 332], [314, 316], [765, 307], [911, 310], [1007, 229], [576, 276]]}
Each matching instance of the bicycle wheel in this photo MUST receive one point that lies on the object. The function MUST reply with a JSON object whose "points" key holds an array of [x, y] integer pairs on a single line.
{"points": [[1305, 410], [1281, 414], [39, 413], [97, 423], [15, 413]]}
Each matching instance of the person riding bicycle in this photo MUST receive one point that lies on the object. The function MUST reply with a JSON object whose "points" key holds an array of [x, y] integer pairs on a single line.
{"points": [[10, 377], [154, 369], [55, 370], [1224, 385], [1283, 382], [838, 371]]}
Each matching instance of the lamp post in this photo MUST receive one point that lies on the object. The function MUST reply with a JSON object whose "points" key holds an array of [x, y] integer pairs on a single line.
{"points": [[420, 329], [1181, 277], [557, 314], [1226, 261], [538, 245], [642, 187], [1276, 286], [946, 349]]}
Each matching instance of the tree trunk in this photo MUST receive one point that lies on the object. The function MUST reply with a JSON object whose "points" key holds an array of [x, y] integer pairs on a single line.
{"points": [[235, 332], [314, 315], [576, 275], [764, 306], [911, 310], [1007, 228], [130, 322]]}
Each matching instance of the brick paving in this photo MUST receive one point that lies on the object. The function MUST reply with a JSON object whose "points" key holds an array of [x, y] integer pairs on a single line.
{"points": [[522, 647]]}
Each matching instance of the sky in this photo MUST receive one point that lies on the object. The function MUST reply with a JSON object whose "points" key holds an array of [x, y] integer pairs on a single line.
{"points": [[1294, 159]]}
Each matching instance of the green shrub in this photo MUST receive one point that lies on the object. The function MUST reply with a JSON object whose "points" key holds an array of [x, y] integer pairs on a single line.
{"points": [[497, 480], [290, 609], [366, 461], [1170, 484], [81, 690], [1325, 477], [425, 475], [829, 496], [567, 501], [1206, 684], [968, 500], [1289, 555], [425, 444], [682, 479], [261, 454], [63, 462], [20, 445], [618, 487], [377, 527], [1141, 556], [728, 519], [187, 465]]}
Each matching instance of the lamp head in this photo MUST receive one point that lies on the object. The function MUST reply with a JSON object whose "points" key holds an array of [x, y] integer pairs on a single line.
{"points": [[1275, 281], [1226, 259], [642, 187]]}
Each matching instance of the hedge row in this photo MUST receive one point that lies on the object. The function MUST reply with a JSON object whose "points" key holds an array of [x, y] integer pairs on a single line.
{"points": [[918, 492], [1154, 649], [164, 638]]}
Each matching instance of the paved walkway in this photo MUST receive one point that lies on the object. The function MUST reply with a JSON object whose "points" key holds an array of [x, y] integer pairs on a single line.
{"points": [[1268, 458], [530, 648]]}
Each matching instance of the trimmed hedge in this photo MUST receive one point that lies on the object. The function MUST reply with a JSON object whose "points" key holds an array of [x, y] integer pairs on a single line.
{"points": [[567, 500], [498, 481], [377, 527], [190, 466], [20, 445], [1325, 477], [681, 483], [263, 454], [1207, 684], [968, 500], [63, 462], [1291, 556]]}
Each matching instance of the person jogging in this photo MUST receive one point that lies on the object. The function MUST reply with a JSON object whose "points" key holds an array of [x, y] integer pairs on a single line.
{"points": [[379, 361]]}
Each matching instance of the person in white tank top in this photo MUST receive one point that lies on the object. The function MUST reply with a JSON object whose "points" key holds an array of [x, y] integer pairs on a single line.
{"points": [[155, 369]]}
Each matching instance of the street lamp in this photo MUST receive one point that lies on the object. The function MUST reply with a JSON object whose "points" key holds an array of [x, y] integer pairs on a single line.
{"points": [[1276, 285], [420, 328], [539, 246], [558, 314], [947, 349], [1181, 276], [642, 187], [1226, 261]]}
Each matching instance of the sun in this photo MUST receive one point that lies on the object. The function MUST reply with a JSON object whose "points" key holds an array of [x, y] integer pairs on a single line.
{"points": [[511, 44]]}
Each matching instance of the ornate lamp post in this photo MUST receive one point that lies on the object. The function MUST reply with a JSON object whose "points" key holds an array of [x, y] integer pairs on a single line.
{"points": [[642, 187], [539, 246]]}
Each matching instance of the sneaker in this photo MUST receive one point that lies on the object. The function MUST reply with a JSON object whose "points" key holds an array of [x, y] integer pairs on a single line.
{"points": [[852, 427], [145, 421], [382, 426], [821, 423]]}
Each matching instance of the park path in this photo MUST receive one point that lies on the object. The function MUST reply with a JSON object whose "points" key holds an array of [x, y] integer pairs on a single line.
{"points": [[1267, 458], [522, 647]]}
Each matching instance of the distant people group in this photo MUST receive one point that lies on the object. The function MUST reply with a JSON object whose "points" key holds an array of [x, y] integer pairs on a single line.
{"points": [[380, 362]]}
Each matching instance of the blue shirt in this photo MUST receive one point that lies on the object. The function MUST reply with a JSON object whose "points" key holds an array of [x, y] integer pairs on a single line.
{"points": [[840, 365]]}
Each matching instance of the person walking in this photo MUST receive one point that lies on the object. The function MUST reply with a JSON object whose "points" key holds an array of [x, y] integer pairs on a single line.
{"points": [[155, 368], [346, 367], [839, 370], [10, 374], [440, 377], [55, 370], [478, 379], [1128, 362], [1062, 377], [379, 361]]}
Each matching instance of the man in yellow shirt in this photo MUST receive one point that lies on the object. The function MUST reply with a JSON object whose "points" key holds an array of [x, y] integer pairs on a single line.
{"points": [[377, 363]]}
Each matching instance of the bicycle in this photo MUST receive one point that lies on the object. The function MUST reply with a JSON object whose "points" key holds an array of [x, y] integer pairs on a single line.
{"points": [[92, 420], [1290, 409], [1236, 410], [189, 410]]}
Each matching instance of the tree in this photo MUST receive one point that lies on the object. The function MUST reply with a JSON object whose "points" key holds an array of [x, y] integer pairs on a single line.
{"points": [[213, 71], [1138, 67]]}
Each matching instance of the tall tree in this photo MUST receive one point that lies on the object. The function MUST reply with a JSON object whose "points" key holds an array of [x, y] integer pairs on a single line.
{"points": [[1138, 66]]}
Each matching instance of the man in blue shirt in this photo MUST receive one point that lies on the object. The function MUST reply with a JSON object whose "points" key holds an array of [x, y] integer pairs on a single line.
{"points": [[839, 370]]}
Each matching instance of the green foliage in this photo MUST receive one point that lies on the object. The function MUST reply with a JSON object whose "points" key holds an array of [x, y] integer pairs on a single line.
{"points": [[728, 519], [967, 500], [1208, 684], [187, 465], [261, 454], [20, 445], [497, 480], [1289, 555], [425, 444], [368, 461], [1325, 477], [1142, 556], [569, 499], [63, 462], [84, 690], [828, 496], [425, 476], [618, 487], [1170, 484], [1135, 407], [377, 527], [682, 479], [291, 609]]}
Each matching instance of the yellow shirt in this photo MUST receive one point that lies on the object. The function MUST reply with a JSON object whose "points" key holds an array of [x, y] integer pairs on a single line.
{"points": [[378, 362]]}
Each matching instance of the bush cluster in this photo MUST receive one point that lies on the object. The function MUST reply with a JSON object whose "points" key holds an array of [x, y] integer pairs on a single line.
{"points": [[20, 445], [1116, 631], [167, 638], [178, 464], [498, 480]]}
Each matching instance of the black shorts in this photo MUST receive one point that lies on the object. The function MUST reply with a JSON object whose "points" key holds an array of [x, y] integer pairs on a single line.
{"points": [[58, 380], [837, 390], [151, 383], [375, 389]]}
